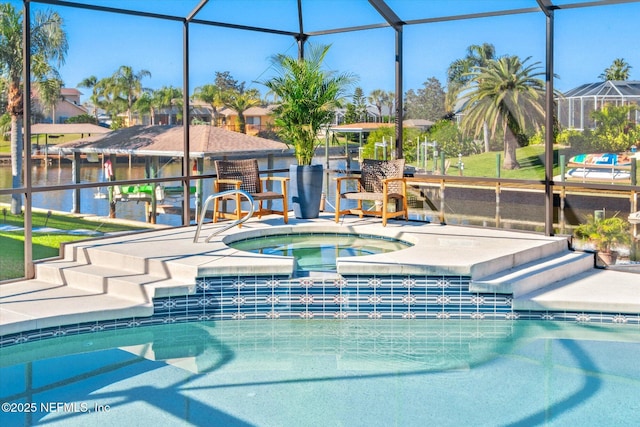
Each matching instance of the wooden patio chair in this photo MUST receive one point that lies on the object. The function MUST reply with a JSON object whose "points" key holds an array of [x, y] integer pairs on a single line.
{"points": [[381, 181], [244, 175]]}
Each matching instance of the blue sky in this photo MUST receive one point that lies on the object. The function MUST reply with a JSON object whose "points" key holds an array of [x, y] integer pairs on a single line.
{"points": [[587, 40]]}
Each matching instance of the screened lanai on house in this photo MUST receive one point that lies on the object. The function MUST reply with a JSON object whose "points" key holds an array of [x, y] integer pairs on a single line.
{"points": [[391, 42], [575, 108]]}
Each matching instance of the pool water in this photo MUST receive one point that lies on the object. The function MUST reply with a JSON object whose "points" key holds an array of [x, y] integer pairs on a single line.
{"points": [[328, 373], [318, 251]]}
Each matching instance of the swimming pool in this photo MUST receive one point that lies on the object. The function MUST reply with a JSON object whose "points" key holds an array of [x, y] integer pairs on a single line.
{"points": [[318, 251], [310, 372]]}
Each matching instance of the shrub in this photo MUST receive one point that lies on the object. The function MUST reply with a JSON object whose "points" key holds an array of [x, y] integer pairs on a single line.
{"points": [[604, 233], [82, 118], [410, 138], [450, 139]]}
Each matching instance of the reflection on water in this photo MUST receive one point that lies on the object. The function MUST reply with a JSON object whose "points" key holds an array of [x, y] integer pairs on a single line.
{"points": [[91, 202], [381, 372]]}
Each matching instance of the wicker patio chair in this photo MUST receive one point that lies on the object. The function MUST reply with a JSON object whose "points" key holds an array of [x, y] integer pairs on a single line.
{"points": [[381, 181], [244, 175]]}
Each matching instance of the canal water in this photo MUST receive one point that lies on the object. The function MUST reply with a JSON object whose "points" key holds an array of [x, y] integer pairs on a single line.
{"points": [[473, 206], [95, 201]]}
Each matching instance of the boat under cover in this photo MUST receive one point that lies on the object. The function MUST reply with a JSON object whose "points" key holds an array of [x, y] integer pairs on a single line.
{"points": [[602, 159]]}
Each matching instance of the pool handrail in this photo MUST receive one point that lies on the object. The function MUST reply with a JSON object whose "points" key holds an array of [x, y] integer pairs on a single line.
{"points": [[228, 226]]}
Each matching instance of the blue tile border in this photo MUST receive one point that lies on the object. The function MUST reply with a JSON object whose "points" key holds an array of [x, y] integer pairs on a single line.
{"points": [[335, 297]]}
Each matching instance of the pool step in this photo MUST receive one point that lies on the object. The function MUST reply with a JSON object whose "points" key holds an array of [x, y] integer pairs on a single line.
{"points": [[595, 290], [134, 286], [156, 260], [534, 275], [34, 304], [135, 278], [498, 265], [106, 256], [53, 271]]}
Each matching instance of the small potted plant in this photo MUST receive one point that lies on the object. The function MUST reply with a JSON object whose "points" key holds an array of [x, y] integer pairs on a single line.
{"points": [[605, 234], [307, 96]]}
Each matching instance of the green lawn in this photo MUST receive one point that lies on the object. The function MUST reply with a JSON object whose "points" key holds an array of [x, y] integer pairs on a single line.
{"points": [[45, 245], [531, 159]]}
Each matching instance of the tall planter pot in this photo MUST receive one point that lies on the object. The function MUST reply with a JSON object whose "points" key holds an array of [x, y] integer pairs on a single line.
{"points": [[305, 187]]}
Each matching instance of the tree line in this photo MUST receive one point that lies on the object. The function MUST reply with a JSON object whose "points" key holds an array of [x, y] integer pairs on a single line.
{"points": [[491, 100]]}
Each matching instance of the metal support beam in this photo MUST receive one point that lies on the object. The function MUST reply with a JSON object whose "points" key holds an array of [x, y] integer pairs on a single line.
{"points": [[29, 270], [186, 170], [399, 90], [196, 10], [76, 176], [301, 37], [548, 10], [387, 13], [301, 40]]}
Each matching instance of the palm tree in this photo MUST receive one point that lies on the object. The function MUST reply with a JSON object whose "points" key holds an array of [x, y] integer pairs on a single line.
{"points": [[49, 94], [618, 71], [212, 95], [166, 97], [377, 98], [476, 56], [459, 75], [153, 101], [507, 94], [127, 85], [90, 83], [144, 105], [307, 96], [48, 50], [241, 101], [108, 98], [390, 102], [615, 130]]}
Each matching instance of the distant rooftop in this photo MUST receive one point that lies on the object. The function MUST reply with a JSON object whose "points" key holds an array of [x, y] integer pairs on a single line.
{"points": [[158, 140], [68, 128], [576, 106], [609, 88], [372, 126]]}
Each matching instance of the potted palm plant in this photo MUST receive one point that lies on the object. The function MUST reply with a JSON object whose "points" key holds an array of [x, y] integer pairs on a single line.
{"points": [[307, 96], [605, 234]]}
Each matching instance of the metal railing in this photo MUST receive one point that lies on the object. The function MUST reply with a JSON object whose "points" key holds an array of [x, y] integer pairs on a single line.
{"points": [[228, 226]]}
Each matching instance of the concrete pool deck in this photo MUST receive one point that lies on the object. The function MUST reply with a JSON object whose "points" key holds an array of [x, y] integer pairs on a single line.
{"points": [[117, 277]]}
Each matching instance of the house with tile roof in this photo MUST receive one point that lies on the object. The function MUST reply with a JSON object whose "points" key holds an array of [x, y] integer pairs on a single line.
{"points": [[68, 105], [256, 118]]}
